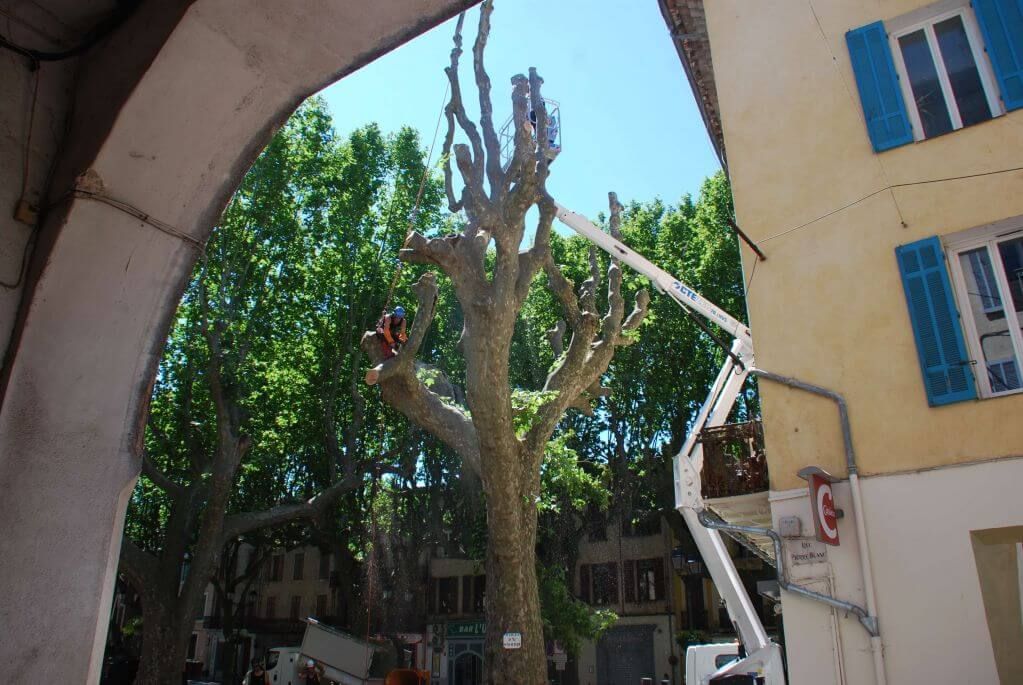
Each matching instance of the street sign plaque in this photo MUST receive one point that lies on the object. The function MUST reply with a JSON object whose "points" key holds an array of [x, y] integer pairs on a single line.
{"points": [[825, 517]]}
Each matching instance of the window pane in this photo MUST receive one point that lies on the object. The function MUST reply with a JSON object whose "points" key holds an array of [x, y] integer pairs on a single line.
{"points": [[605, 583], [962, 71], [984, 300], [479, 594], [324, 565], [923, 81], [321, 606], [1011, 254], [448, 595]]}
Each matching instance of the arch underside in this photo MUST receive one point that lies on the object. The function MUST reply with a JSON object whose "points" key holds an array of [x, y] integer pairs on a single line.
{"points": [[170, 112]]}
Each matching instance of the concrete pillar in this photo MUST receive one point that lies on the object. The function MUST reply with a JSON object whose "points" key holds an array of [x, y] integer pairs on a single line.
{"points": [[173, 145]]}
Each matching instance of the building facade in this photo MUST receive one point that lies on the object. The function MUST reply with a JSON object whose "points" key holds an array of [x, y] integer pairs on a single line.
{"points": [[291, 586], [874, 153], [626, 568]]}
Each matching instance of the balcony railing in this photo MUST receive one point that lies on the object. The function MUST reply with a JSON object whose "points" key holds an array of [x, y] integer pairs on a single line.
{"points": [[734, 462]]}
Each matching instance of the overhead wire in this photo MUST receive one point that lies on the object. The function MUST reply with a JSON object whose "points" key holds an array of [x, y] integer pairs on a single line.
{"points": [[886, 188], [753, 272], [30, 239], [103, 29], [852, 100], [414, 214], [139, 214]]}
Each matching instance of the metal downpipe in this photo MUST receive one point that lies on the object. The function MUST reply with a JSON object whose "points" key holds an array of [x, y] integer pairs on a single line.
{"points": [[865, 619], [876, 646]]}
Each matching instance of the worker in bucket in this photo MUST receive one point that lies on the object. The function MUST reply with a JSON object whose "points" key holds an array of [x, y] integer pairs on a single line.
{"points": [[552, 128], [311, 674], [390, 332], [552, 131]]}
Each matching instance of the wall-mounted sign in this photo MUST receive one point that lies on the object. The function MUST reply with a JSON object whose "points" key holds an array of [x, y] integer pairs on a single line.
{"points": [[822, 503], [560, 661], [512, 640], [466, 629], [825, 518], [802, 552]]}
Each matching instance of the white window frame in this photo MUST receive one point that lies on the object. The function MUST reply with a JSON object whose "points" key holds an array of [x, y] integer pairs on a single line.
{"points": [[925, 18], [987, 237]]}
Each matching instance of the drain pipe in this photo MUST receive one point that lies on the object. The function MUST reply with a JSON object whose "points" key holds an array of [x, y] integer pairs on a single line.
{"points": [[876, 646], [868, 622]]}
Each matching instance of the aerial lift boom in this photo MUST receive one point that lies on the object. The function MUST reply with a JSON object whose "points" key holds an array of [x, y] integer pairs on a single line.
{"points": [[763, 659]]}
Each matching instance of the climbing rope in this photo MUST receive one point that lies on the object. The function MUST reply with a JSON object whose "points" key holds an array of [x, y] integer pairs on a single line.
{"points": [[371, 565], [414, 214]]}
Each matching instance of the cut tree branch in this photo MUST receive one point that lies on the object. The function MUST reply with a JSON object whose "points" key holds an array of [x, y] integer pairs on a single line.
{"points": [[575, 382], [159, 478], [139, 566], [240, 524], [471, 167], [493, 147], [402, 387]]}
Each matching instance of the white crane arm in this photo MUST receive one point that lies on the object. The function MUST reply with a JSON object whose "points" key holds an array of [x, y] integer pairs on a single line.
{"points": [[661, 279], [764, 657]]}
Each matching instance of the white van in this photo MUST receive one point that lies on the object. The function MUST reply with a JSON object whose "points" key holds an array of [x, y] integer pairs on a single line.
{"points": [[345, 660]]}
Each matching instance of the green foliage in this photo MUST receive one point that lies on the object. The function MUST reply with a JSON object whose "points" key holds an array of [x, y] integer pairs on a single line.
{"points": [[684, 638], [567, 487], [297, 268], [525, 405], [565, 618], [132, 626]]}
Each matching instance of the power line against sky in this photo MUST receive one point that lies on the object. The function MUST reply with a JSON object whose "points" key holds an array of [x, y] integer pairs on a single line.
{"points": [[629, 120]]}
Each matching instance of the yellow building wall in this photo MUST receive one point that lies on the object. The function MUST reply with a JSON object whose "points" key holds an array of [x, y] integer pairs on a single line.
{"points": [[828, 306]]}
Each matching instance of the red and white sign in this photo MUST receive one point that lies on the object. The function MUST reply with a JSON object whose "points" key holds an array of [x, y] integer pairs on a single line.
{"points": [[825, 518]]}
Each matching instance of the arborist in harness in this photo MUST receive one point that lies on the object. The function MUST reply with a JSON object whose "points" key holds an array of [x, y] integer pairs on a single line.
{"points": [[391, 332]]}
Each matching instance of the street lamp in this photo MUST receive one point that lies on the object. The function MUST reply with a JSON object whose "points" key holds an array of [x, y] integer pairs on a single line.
{"points": [[686, 564]]}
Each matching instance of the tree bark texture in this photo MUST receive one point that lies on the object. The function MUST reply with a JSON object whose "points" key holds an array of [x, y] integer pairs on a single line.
{"points": [[495, 198]]}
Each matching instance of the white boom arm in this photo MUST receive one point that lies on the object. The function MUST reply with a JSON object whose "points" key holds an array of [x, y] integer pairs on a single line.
{"points": [[764, 656]]}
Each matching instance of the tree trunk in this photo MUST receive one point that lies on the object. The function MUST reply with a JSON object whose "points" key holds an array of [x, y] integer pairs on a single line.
{"points": [[490, 437], [165, 636], [513, 602]]}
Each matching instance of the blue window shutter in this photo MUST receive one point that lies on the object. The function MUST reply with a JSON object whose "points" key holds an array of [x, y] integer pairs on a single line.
{"points": [[932, 312], [878, 83], [1001, 22]]}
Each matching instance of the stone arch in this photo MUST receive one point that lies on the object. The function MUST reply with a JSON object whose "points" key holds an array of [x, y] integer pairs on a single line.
{"points": [[170, 112]]}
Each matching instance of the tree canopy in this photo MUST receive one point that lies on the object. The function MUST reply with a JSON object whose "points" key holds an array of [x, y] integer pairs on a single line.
{"points": [[260, 428]]}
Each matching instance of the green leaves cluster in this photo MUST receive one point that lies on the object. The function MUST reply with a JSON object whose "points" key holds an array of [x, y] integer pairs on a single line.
{"points": [[565, 618], [525, 405], [297, 268]]}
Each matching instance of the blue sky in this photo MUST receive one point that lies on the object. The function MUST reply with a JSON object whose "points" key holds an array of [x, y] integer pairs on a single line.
{"points": [[629, 121]]}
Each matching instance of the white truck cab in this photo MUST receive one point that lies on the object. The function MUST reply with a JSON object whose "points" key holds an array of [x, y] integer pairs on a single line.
{"points": [[702, 661], [282, 665], [344, 659]]}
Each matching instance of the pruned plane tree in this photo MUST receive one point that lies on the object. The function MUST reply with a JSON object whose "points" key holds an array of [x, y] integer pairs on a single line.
{"points": [[494, 440]]}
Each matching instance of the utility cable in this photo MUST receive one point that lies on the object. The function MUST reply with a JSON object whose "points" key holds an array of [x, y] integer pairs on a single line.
{"points": [[98, 33], [414, 214], [887, 188], [30, 239], [852, 100], [753, 272], [139, 214]]}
